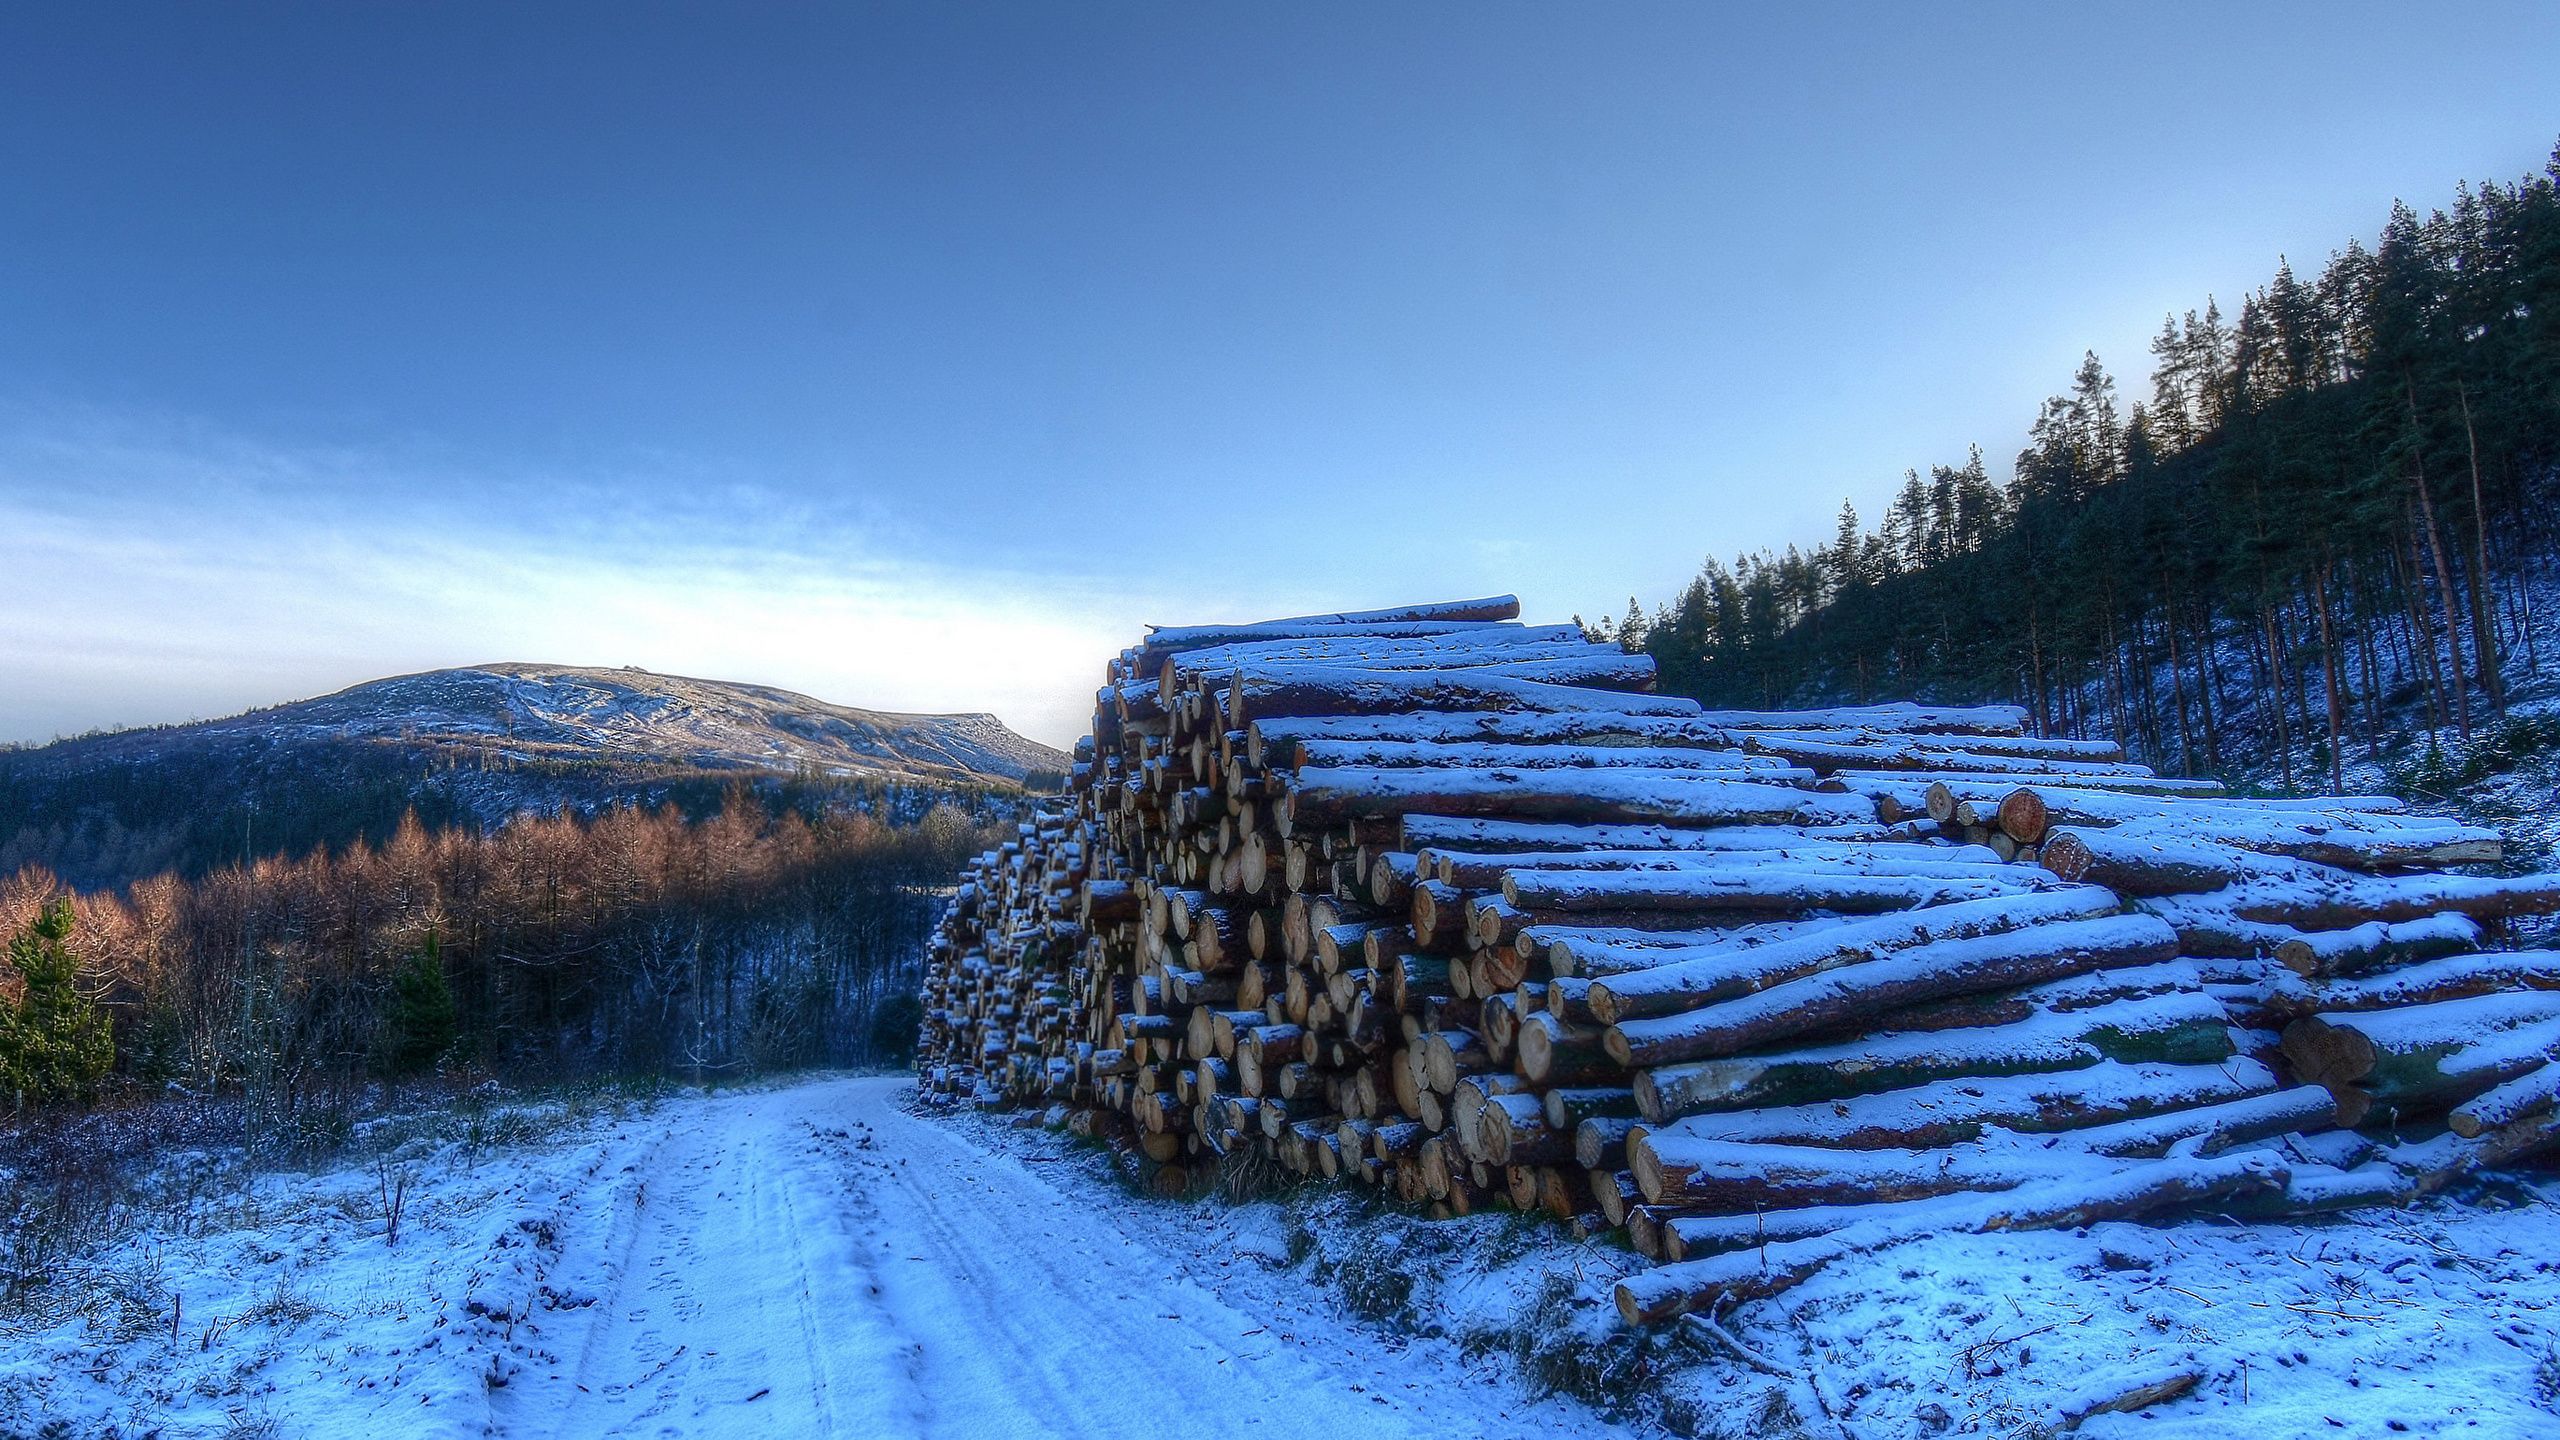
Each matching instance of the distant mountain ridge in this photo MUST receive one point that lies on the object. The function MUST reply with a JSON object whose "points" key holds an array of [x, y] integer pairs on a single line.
{"points": [[538, 712], [472, 746]]}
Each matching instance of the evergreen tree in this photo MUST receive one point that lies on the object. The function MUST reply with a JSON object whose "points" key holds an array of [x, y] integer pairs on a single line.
{"points": [[2332, 504], [54, 1044], [422, 1023], [1631, 630], [893, 1029]]}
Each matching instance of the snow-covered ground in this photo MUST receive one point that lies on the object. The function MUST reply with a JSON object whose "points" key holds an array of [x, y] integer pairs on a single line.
{"points": [[813, 1260], [802, 1261]]}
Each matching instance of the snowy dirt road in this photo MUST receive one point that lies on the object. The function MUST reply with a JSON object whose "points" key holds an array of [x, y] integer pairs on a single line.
{"points": [[812, 1261]]}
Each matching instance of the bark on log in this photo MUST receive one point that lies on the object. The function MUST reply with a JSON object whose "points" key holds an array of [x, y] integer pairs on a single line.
{"points": [[1772, 888], [1665, 1292], [1956, 1112], [1839, 997], [1399, 755], [1271, 743], [1328, 797], [1318, 690], [2182, 1029], [1460, 835], [2531, 1095], [1554, 1053], [1726, 972]]}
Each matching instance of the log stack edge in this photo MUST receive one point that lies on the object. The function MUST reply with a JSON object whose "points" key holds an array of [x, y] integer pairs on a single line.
{"points": [[1429, 900]]}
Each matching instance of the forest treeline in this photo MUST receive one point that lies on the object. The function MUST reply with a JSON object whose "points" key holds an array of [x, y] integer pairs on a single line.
{"points": [[631, 941], [2329, 511], [105, 810]]}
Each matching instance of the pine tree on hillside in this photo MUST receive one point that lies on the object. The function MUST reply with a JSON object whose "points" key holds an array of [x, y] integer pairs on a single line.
{"points": [[54, 1044], [2325, 527], [423, 1023]]}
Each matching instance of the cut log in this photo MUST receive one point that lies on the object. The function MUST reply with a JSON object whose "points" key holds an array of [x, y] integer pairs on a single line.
{"points": [[1729, 1176], [1445, 618], [2187, 1029], [1652, 1296], [1466, 1107], [2453, 977], [1396, 755], [1514, 1131], [2400, 1048], [2376, 945], [1894, 718], [1725, 972], [1213, 665], [1457, 835], [2381, 843], [1271, 743], [1488, 871], [2424, 1057], [1771, 888], [1600, 1141], [1838, 998], [1548, 687], [1329, 797], [2210, 1129], [2531, 1095], [2319, 902], [1955, 1112], [1914, 753], [1553, 1053]]}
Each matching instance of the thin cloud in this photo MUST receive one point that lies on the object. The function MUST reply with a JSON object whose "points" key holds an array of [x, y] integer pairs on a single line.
{"points": [[142, 581]]}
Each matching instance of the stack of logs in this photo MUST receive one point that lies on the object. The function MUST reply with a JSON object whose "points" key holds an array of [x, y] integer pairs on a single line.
{"points": [[1455, 907]]}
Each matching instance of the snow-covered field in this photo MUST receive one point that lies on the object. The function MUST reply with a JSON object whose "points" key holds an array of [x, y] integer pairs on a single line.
{"points": [[813, 1260]]}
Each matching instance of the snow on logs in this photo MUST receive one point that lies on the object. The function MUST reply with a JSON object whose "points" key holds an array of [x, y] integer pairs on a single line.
{"points": [[1432, 901]]}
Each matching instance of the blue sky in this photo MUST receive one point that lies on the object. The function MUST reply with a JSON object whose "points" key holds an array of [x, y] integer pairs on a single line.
{"points": [[913, 355]]}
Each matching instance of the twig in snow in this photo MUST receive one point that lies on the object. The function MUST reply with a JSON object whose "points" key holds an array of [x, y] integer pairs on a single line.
{"points": [[1708, 1331], [1974, 1354], [2152, 1392], [1813, 1381], [393, 1184]]}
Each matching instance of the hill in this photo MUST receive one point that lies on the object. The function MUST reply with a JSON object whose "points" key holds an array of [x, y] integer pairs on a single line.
{"points": [[472, 746]]}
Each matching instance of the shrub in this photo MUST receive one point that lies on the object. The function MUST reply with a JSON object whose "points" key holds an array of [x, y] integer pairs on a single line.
{"points": [[894, 1023]]}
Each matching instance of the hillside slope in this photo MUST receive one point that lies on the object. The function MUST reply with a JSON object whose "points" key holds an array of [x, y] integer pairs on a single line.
{"points": [[472, 746], [538, 712]]}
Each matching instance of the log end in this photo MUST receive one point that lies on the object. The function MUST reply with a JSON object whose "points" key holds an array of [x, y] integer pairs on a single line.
{"points": [[2066, 855], [2022, 816]]}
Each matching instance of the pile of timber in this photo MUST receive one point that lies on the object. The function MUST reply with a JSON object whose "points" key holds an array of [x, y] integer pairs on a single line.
{"points": [[1433, 901]]}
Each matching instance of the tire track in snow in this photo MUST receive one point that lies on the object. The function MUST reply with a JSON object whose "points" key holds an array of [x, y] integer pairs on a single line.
{"points": [[812, 1261]]}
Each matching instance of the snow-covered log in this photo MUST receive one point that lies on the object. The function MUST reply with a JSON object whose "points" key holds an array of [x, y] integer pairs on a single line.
{"points": [[1396, 755], [1956, 1112], [1542, 685], [2136, 849], [1898, 717], [2181, 1028], [1455, 835], [1329, 797], [1714, 973], [1272, 742], [1776, 885], [1652, 1296], [2425, 1056], [1838, 998]]}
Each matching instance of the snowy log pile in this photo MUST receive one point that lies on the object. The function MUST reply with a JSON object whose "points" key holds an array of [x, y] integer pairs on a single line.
{"points": [[1433, 901]]}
